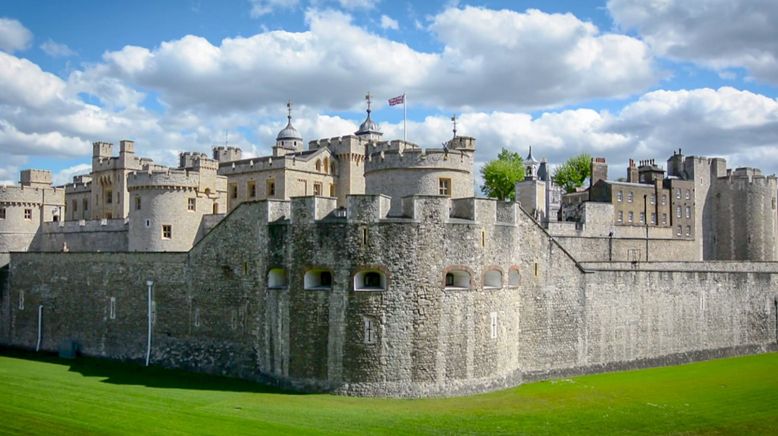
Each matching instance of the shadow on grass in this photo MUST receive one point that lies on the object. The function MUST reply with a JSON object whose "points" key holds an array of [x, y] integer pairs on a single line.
{"points": [[127, 373]]}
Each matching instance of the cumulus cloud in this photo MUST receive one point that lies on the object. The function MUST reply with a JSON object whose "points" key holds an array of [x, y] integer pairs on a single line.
{"points": [[65, 175], [56, 49], [388, 23], [484, 64], [358, 4], [13, 35], [264, 7], [716, 33]]}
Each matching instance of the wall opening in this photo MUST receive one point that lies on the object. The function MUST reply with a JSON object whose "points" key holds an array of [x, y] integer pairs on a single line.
{"points": [[277, 278], [457, 280], [369, 333], [112, 308], [493, 319], [513, 277], [318, 279], [492, 279], [369, 281]]}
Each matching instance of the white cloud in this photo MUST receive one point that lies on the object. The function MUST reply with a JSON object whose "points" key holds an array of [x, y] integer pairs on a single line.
{"points": [[56, 49], [65, 175], [13, 35], [715, 33], [358, 4], [388, 23], [24, 83], [13, 141], [264, 7]]}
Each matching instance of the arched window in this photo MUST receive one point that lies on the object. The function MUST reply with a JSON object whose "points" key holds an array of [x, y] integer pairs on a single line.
{"points": [[369, 281], [493, 279], [318, 279], [277, 278], [458, 279], [215, 208], [318, 165], [513, 277], [326, 164]]}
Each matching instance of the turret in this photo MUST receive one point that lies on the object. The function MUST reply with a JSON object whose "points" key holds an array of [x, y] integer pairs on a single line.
{"points": [[369, 129]]}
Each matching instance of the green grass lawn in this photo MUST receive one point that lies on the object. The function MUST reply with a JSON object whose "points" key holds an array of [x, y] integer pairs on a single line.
{"points": [[40, 394]]}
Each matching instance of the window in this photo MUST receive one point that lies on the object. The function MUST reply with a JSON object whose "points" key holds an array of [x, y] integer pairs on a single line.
{"points": [[215, 208], [74, 203], [493, 317], [28, 214], [252, 188], [332, 168], [664, 199], [678, 211], [653, 199], [112, 308], [137, 203], [458, 279], [318, 165], [317, 188], [630, 197], [513, 277], [21, 300], [317, 279], [444, 187], [277, 278], [270, 188], [621, 216], [688, 212], [85, 204], [233, 190], [642, 217], [332, 190], [197, 317], [369, 333], [326, 164], [678, 193], [678, 231], [191, 204], [653, 218], [108, 196], [688, 231], [148, 223], [2, 213], [369, 280], [619, 196], [493, 279], [664, 218], [688, 194], [167, 231], [631, 217]]}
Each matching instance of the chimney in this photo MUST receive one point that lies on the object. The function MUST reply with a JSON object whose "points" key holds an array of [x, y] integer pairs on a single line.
{"points": [[599, 170], [632, 172]]}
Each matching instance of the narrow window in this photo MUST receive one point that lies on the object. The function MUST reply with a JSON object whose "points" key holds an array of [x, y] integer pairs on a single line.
{"points": [[444, 186], [653, 199], [664, 219], [191, 204], [233, 190], [621, 216], [364, 236], [688, 212], [85, 204], [494, 324], [664, 199], [215, 208], [483, 238], [688, 194], [642, 217], [108, 197], [2, 212], [197, 317], [630, 217], [688, 231], [21, 300], [75, 205], [270, 188], [536, 269], [112, 310], [234, 319], [148, 223], [332, 190], [678, 193], [326, 164], [252, 188], [678, 231], [167, 231], [369, 333], [318, 165], [630, 197], [245, 268], [28, 214], [653, 218], [317, 188], [619, 196], [678, 211]]}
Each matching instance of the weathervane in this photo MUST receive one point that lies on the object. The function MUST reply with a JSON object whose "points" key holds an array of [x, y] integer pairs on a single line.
{"points": [[454, 122], [289, 110], [367, 97]]}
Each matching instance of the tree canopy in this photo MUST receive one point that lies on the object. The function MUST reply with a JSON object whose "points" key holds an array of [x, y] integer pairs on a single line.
{"points": [[571, 174], [500, 175]]}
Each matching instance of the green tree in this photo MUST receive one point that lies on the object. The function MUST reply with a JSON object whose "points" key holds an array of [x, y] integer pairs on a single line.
{"points": [[500, 175], [573, 172]]}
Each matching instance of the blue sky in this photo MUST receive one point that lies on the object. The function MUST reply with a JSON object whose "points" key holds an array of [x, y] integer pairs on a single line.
{"points": [[619, 78]]}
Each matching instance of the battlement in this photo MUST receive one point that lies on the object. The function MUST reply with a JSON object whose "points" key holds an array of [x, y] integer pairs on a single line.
{"points": [[31, 177], [226, 153], [187, 159], [103, 225], [162, 180], [401, 155], [31, 194], [254, 164], [749, 177]]}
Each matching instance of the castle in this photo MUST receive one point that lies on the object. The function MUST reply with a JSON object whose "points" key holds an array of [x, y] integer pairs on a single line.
{"points": [[367, 267]]}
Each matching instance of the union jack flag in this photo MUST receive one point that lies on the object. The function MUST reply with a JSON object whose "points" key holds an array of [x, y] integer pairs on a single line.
{"points": [[400, 99]]}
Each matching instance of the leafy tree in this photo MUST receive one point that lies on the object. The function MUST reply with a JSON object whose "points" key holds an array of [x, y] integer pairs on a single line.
{"points": [[573, 172], [500, 175]]}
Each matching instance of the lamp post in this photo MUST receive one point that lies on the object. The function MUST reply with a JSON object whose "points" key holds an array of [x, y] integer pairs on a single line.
{"points": [[149, 285]]}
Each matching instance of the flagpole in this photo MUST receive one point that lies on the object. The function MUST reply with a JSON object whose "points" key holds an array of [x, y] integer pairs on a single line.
{"points": [[405, 117]]}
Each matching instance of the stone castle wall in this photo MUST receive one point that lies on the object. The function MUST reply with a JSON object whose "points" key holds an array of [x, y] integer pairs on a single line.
{"points": [[217, 310]]}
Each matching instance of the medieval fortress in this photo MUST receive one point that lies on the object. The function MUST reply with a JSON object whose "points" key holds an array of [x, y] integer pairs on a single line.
{"points": [[367, 267]]}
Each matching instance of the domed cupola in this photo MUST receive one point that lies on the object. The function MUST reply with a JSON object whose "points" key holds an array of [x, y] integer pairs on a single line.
{"points": [[289, 137], [369, 128], [531, 164]]}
